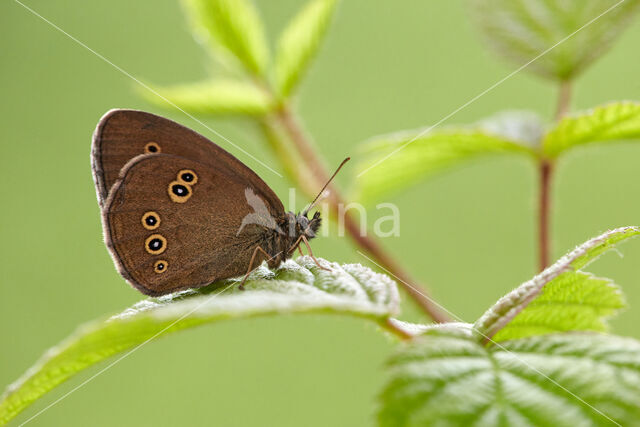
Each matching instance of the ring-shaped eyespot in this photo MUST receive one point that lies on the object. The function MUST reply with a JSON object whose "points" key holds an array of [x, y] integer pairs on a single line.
{"points": [[179, 191], [155, 244], [152, 147], [150, 220], [160, 266], [187, 176]]}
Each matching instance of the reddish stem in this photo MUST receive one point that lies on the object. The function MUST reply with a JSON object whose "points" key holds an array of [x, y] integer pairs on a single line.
{"points": [[546, 172], [372, 247], [543, 214], [392, 327]]}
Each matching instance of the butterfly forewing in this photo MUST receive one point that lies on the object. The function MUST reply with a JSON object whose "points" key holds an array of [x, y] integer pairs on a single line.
{"points": [[172, 223], [124, 134]]}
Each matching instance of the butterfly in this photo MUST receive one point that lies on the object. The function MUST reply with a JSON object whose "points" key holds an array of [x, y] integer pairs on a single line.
{"points": [[179, 212]]}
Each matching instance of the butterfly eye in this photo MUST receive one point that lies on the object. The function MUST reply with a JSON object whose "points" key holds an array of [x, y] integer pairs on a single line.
{"points": [[187, 176], [155, 244], [151, 220], [152, 147], [160, 266], [179, 192]]}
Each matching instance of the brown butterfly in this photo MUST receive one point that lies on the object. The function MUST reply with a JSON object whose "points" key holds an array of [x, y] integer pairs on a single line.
{"points": [[180, 212]]}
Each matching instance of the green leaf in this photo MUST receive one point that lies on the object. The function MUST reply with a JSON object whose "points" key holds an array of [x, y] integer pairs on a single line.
{"points": [[560, 37], [233, 30], [561, 298], [524, 127], [397, 161], [296, 287], [300, 41], [213, 97], [573, 301], [607, 123], [446, 378]]}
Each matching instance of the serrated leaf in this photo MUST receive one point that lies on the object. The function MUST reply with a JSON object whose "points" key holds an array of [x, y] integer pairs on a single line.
{"points": [[213, 97], [394, 162], [561, 298], [232, 29], [573, 301], [446, 378], [607, 123], [296, 287], [299, 42], [563, 36]]}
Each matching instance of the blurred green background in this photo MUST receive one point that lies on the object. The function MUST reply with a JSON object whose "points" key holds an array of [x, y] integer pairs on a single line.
{"points": [[468, 233]]}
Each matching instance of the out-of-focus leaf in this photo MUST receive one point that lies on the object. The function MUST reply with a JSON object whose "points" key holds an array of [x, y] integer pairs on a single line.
{"points": [[564, 35], [394, 162], [525, 127], [232, 29], [296, 287], [447, 378], [608, 123], [213, 97], [300, 41], [561, 298]]}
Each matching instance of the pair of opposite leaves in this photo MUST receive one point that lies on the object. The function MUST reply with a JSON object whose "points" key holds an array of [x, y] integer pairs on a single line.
{"points": [[173, 205]]}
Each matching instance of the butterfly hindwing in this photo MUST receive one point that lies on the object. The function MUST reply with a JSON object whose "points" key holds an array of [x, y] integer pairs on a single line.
{"points": [[173, 223]]}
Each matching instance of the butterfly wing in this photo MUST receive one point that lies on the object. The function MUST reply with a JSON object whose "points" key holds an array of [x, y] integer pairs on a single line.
{"points": [[173, 223], [124, 134]]}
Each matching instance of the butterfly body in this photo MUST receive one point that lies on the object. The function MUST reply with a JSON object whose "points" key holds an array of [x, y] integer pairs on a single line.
{"points": [[179, 211]]}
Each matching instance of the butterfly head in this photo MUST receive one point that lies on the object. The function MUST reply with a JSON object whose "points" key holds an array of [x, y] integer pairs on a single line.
{"points": [[308, 227], [300, 225]]}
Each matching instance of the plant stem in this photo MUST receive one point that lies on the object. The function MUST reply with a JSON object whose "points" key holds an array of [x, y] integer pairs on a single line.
{"points": [[544, 206], [290, 123], [564, 99], [546, 173], [392, 327]]}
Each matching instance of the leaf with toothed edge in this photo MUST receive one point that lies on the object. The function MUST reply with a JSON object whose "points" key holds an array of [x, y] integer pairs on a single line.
{"points": [[556, 39], [617, 121], [297, 286], [561, 298], [447, 378]]}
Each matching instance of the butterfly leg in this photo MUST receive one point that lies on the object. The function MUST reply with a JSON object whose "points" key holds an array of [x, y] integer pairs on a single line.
{"points": [[253, 258], [306, 243], [296, 245]]}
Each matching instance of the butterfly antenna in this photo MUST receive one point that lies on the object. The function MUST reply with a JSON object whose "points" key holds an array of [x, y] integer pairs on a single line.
{"points": [[308, 208]]}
